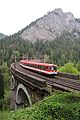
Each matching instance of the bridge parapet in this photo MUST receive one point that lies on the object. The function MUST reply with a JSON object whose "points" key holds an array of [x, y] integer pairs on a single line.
{"points": [[34, 81], [68, 75]]}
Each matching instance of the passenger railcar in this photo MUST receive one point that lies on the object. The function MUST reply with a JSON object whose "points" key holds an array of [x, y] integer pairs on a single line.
{"points": [[43, 68]]}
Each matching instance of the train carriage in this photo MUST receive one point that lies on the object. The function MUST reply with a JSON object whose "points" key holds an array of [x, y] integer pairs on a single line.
{"points": [[42, 68]]}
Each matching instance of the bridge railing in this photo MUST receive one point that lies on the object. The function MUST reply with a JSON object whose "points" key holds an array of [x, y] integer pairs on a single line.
{"points": [[68, 75]]}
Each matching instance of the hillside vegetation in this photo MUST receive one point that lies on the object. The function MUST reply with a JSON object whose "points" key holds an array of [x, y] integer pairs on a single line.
{"points": [[63, 49], [70, 68], [60, 106]]}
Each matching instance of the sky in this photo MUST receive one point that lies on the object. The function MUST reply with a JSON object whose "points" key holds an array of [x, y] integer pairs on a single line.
{"points": [[17, 14]]}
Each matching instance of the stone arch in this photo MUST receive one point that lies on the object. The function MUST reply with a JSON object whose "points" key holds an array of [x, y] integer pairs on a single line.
{"points": [[22, 95]]}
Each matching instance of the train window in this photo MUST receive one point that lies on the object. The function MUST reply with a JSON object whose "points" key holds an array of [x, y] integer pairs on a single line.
{"points": [[43, 67], [55, 67], [31, 65], [39, 67], [51, 68], [36, 66], [27, 65]]}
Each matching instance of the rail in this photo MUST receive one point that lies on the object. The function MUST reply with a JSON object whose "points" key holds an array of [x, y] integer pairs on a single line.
{"points": [[28, 78]]}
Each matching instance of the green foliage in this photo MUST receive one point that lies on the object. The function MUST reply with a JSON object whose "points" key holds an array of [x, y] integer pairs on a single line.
{"points": [[5, 71], [69, 68], [5, 85], [78, 65], [60, 106], [1, 85], [63, 49], [1, 89]]}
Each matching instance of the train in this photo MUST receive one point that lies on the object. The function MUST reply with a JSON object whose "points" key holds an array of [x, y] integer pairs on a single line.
{"points": [[42, 68]]}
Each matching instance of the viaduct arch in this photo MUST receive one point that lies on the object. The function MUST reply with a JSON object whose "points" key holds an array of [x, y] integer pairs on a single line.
{"points": [[22, 96]]}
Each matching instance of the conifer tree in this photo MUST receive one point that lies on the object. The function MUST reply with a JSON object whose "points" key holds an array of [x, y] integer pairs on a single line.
{"points": [[1, 89]]}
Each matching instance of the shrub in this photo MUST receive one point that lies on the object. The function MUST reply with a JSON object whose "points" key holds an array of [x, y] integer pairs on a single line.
{"points": [[69, 68]]}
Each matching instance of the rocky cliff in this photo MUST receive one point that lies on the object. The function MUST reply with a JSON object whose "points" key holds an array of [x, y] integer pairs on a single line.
{"points": [[51, 25], [2, 36]]}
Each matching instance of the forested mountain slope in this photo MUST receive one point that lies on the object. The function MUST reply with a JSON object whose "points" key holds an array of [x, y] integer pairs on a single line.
{"points": [[63, 49]]}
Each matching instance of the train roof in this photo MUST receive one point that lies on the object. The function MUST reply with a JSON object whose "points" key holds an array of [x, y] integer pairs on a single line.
{"points": [[36, 63]]}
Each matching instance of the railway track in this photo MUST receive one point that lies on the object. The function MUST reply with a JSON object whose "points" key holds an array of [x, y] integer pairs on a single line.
{"points": [[59, 82], [64, 83]]}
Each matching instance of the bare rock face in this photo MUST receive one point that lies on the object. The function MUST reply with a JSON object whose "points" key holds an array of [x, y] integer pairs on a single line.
{"points": [[50, 26], [2, 36]]}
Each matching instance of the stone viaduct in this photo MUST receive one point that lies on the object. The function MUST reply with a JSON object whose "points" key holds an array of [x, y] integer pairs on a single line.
{"points": [[26, 88]]}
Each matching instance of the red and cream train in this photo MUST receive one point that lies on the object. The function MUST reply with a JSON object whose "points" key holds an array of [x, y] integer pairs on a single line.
{"points": [[42, 68]]}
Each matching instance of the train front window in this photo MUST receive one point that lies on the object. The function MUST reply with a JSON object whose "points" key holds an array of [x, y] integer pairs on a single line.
{"points": [[51, 68], [55, 67]]}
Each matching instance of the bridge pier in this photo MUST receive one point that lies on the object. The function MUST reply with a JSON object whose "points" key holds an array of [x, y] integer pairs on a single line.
{"points": [[13, 92], [22, 95], [19, 94]]}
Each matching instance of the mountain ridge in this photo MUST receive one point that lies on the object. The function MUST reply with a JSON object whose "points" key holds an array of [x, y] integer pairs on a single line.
{"points": [[51, 25]]}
